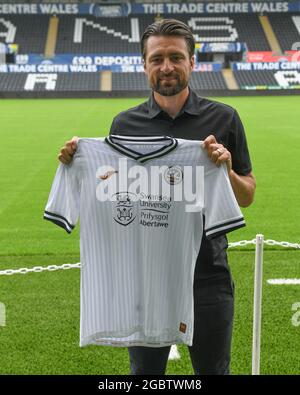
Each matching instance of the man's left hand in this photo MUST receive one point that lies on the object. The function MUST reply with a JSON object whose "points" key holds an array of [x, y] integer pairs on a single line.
{"points": [[217, 152]]}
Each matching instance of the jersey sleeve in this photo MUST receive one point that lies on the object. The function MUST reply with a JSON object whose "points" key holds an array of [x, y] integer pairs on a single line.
{"points": [[221, 210], [63, 203]]}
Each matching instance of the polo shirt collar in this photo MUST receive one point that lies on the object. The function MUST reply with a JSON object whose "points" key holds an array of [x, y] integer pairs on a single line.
{"points": [[191, 106], [153, 107]]}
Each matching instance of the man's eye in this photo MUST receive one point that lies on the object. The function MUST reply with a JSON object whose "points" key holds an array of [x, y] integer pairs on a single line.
{"points": [[176, 58]]}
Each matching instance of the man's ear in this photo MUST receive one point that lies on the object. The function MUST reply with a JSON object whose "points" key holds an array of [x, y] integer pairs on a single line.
{"points": [[193, 62]]}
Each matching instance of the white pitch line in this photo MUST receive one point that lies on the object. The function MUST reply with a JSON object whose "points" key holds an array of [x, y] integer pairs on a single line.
{"points": [[284, 281]]}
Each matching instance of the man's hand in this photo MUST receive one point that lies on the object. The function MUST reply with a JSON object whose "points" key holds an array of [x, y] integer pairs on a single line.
{"points": [[217, 152], [243, 186], [68, 150]]}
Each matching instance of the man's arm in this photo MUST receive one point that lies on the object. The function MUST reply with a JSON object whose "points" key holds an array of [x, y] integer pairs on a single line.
{"points": [[243, 186]]}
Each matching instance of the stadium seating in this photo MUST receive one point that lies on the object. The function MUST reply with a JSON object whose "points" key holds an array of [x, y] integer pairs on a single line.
{"points": [[120, 82], [89, 34], [12, 82], [284, 26], [255, 78], [129, 82], [64, 82], [247, 27], [262, 78], [207, 81], [28, 31], [138, 81], [97, 35], [78, 82], [121, 35]]}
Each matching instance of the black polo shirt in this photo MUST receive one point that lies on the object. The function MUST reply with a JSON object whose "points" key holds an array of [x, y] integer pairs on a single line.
{"points": [[198, 118]]}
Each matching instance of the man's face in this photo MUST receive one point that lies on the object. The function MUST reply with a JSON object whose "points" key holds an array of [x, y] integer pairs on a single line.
{"points": [[167, 64]]}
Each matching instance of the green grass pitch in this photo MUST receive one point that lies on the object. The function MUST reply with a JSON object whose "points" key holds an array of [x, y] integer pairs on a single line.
{"points": [[41, 335]]}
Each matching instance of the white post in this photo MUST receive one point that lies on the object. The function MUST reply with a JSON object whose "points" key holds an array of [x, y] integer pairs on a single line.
{"points": [[257, 304], [174, 353]]}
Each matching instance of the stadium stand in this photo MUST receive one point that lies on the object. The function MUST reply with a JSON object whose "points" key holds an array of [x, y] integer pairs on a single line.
{"points": [[65, 82], [20, 28], [61, 82], [214, 28], [76, 38], [255, 78], [262, 78], [79, 34], [78, 82], [208, 81], [241, 27], [129, 81], [286, 28], [138, 81], [12, 82], [98, 35]]}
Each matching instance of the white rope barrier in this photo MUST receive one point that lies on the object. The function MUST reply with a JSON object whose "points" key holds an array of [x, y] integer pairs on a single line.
{"points": [[66, 266], [39, 269]]}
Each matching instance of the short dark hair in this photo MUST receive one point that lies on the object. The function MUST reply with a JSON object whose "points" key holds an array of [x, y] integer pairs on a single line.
{"points": [[168, 27]]}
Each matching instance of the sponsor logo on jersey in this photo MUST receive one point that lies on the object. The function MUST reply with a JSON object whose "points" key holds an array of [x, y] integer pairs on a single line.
{"points": [[108, 174]]}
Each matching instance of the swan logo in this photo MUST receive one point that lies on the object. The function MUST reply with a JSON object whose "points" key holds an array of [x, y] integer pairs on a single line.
{"points": [[173, 175]]}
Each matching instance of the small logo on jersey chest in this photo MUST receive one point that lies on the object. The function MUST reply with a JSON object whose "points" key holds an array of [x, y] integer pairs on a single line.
{"points": [[182, 327], [173, 175]]}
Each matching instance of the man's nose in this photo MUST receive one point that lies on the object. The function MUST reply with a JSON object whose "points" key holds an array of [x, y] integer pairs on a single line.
{"points": [[167, 66]]}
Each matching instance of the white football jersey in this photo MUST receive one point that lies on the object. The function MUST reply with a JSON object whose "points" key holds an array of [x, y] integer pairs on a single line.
{"points": [[138, 248]]}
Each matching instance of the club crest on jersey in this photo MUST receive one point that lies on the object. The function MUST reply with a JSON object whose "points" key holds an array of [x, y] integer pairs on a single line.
{"points": [[173, 175], [124, 207]]}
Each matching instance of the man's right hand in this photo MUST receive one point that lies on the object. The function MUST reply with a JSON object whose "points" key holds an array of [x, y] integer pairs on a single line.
{"points": [[68, 150]]}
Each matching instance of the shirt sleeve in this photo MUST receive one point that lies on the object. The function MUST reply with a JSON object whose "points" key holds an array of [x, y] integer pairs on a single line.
{"points": [[238, 147], [64, 200], [221, 210]]}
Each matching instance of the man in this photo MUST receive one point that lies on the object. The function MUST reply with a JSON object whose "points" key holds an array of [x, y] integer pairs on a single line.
{"points": [[175, 110]]}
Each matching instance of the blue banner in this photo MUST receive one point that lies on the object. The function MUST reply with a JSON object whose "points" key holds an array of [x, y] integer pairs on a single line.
{"points": [[125, 9], [221, 47], [107, 60], [66, 68], [93, 63], [70, 63]]}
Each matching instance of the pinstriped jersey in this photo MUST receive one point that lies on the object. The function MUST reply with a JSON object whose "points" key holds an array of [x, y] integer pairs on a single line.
{"points": [[141, 203]]}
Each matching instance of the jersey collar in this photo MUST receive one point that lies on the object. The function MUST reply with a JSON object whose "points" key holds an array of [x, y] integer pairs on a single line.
{"points": [[117, 142]]}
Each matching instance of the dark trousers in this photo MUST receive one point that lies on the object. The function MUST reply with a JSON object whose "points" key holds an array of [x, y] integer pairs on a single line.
{"points": [[213, 322]]}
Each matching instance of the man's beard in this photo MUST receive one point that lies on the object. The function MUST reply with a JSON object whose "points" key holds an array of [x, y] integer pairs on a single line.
{"points": [[170, 90]]}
